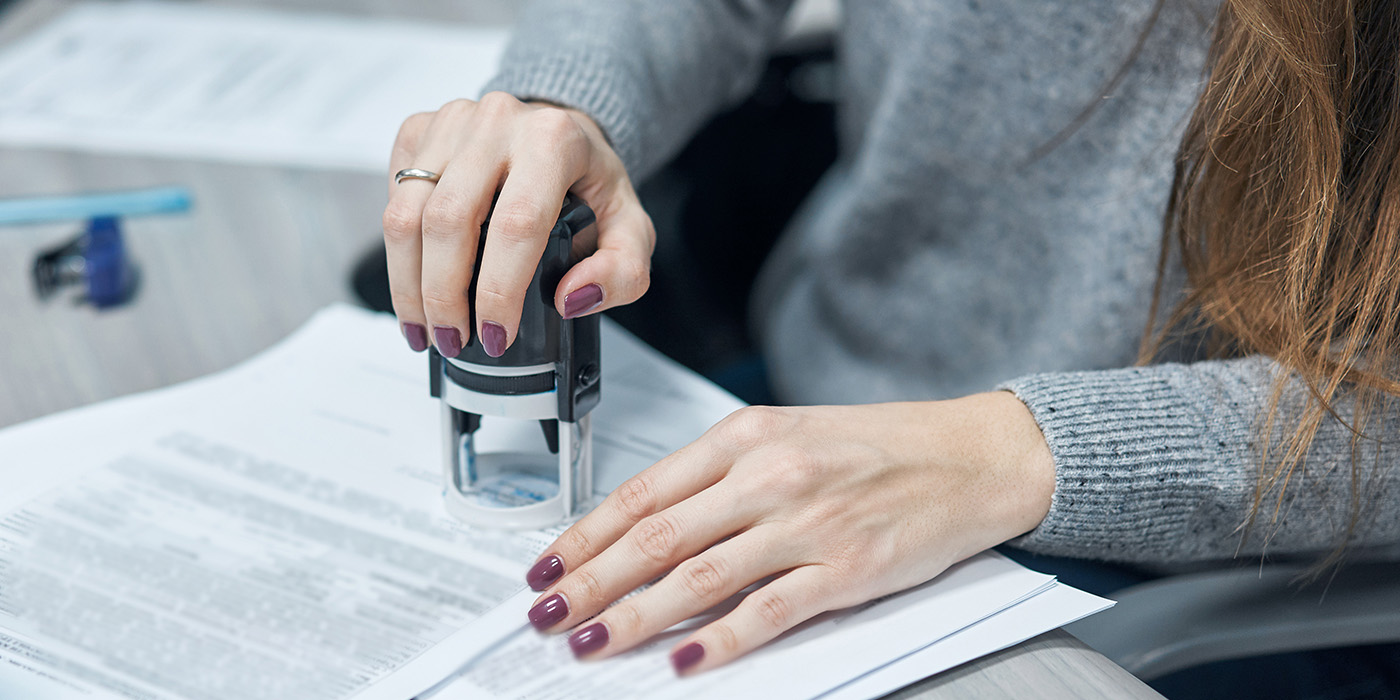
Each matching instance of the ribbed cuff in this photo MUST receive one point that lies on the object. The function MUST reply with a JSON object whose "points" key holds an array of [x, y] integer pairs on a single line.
{"points": [[1130, 463], [588, 82]]}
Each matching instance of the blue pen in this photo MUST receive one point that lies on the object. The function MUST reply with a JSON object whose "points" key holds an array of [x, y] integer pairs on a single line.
{"points": [[38, 210]]}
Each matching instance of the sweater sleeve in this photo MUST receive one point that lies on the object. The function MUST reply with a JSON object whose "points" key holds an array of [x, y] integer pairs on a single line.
{"points": [[648, 72], [1160, 464]]}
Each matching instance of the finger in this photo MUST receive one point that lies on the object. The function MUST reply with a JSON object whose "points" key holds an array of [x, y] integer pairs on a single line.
{"points": [[697, 585], [681, 474], [402, 232], [520, 224], [676, 477], [786, 602], [648, 550], [407, 144], [452, 219], [618, 273]]}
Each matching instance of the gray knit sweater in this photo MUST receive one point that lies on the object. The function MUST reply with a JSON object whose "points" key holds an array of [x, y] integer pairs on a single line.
{"points": [[937, 258]]}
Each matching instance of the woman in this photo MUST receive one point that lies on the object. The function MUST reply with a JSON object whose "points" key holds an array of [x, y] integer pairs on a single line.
{"points": [[993, 222]]}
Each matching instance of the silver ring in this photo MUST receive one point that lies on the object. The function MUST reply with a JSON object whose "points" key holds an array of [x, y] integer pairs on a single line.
{"points": [[415, 174]]}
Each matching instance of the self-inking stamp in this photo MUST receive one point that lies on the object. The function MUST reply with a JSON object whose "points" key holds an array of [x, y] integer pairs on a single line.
{"points": [[551, 374]]}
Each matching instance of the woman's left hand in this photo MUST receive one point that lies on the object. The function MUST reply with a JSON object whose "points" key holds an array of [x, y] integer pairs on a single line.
{"points": [[839, 504]]}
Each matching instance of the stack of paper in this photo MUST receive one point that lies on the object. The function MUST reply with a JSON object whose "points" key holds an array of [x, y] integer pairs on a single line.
{"points": [[227, 83], [275, 531]]}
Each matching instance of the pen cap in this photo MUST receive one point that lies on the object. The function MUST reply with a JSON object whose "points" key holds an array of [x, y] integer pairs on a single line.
{"points": [[108, 272]]}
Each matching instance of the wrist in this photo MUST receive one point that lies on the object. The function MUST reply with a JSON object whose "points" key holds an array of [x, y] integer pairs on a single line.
{"points": [[1011, 452]]}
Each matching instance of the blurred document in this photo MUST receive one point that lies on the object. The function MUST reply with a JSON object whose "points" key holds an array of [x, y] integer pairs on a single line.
{"points": [[242, 84], [276, 531]]}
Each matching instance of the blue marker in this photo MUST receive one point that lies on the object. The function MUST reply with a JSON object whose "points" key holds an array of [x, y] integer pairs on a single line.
{"points": [[39, 210]]}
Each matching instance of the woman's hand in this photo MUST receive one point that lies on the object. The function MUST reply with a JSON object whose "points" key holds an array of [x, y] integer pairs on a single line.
{"points": [[532, 155], [840, 504]]}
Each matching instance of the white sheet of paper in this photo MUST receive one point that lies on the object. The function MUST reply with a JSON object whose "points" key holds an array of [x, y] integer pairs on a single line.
{"points": [[276, 530], [239, 84], [1056, 607]]}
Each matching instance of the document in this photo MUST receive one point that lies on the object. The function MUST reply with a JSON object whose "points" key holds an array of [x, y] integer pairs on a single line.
{"points": [[276, 530], [1057, 606], [238, 84]]}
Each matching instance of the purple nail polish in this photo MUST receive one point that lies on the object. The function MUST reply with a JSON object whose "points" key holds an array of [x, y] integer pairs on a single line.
{"points": [[550, 612], [493, 338], [687, 656], [589, 639], [416, 335], [546, 571], [582, 300], [448, 340]]}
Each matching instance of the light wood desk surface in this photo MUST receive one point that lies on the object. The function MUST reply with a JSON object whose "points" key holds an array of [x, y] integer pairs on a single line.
{"points": [[262, 249]]}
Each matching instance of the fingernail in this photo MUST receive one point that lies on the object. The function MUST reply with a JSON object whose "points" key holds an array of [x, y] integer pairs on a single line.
{"points": [[416, 335], [589, 639], [687, 656], [582, 300], [550, 612], [448, 340], [547, 571], [493, 338]]}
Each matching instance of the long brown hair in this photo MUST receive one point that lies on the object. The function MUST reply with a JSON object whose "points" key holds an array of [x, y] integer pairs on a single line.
{"points": [[1285, 211]]}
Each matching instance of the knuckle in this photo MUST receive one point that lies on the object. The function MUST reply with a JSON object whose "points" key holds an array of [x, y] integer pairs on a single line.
{"points": [[555, 128], [440, 302], [787, 472], [402, 221], [703, 580], [405, 302], [415, 124], [724, 638], [635, 499], [755, 424], [490, 297], [815, 512], [638, 270], [793, 463], [774, 610], [657, 538], [498, 102], [576, 542], [626, 620], [459, 106], [444, 216], [586, 591], [518, 221]]}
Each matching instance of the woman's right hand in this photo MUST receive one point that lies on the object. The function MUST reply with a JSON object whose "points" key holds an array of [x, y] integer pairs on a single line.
{"points": [[532, 155]]}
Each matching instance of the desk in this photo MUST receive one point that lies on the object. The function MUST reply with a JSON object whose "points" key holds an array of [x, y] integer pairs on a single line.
{"points": [[263, 249]]}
